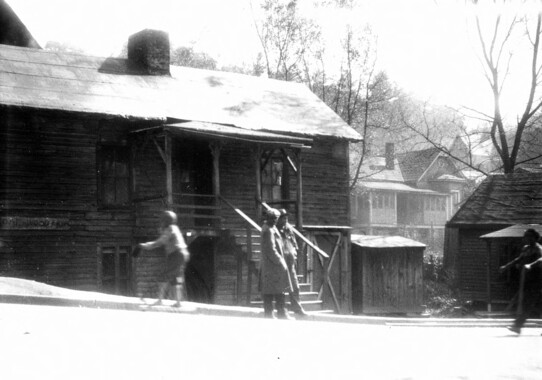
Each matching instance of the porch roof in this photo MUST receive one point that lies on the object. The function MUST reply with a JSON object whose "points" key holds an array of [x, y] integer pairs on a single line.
{"points": [[515, 231], [222, 132]]}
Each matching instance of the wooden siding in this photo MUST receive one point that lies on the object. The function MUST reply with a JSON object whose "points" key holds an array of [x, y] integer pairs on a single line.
{"points": [[49, 171], [325, 184], [472, 266], [387, 280]]}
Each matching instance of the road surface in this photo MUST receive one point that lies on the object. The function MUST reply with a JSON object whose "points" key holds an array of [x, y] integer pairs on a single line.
{"points": [[47, 342]]}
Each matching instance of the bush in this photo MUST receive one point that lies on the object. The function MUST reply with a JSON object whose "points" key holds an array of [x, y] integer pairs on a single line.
{"points": [[439, 293]]}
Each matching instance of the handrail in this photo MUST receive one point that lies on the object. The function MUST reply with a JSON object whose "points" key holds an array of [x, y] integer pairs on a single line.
{"points": [[242, 214], [301, 236]]}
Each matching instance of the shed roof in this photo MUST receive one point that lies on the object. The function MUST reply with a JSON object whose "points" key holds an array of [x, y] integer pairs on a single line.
{"points": [[503, 200], [515, 231], [395, 186], [373, 241], [72, 82]]}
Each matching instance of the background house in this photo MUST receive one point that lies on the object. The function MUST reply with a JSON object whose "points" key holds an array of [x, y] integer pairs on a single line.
{"points": [[95, 148], [499, 202], [411, 195]]}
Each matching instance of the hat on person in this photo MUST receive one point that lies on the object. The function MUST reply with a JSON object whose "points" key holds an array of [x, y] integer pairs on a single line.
{"points": [[283, 212], [273, 213], [168, 218]]}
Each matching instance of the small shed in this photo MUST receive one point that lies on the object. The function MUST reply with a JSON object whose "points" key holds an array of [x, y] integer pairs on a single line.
{"points": [[387, 274], [502, 247]]}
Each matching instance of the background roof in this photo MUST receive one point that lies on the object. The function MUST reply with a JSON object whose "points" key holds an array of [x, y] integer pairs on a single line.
{"points": [[503, 199], [515, 231], [373, 241], [415, 163], [72, 82]]}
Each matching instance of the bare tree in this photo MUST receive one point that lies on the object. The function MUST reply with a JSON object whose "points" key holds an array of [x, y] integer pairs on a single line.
{"points": [[508, 141]]}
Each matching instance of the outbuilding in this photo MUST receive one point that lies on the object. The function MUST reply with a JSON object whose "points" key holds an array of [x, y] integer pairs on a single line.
{"points": [[387, 274], [499, 202], [504, 246]]}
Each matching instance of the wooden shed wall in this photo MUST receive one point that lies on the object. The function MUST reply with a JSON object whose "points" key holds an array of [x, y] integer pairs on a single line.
{"points": [[387, 280], [472, 263]]}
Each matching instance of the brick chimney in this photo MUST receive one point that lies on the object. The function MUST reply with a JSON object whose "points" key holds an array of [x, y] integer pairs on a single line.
{"points": [[390, 156], [148, 52]]}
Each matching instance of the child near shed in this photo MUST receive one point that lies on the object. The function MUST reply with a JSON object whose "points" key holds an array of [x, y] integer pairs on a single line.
{"points": [[177, 256]]}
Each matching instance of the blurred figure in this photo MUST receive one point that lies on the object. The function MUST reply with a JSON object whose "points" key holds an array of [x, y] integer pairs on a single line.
{"points": [[177, 256], [529, 262], [290, 247], [274, 279]]}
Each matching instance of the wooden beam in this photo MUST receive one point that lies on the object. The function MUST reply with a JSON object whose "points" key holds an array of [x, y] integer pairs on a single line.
{"points": [[160, 151], [299, 190], [258, 174], [289, 160], [215, 151], [169, 172]]}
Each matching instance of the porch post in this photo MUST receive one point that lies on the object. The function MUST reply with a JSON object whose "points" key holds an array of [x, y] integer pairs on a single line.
{"points": [[299, 191], [169, 174], [488, 274], [257, 160], [215, 151]]}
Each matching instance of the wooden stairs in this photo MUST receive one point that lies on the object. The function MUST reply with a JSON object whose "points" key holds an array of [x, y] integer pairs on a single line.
{"points": [[308, 298]]}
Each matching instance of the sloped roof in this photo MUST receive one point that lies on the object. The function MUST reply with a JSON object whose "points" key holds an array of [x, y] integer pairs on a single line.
{"points": [[72, 82], [413, 164], [503, 200], [515, 231], [374, 241], [395, 186], [12, 30], [374, 169]]}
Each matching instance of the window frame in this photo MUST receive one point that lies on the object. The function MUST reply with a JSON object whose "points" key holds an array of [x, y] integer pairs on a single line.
{"points": [[100, 164], [117, 249]]}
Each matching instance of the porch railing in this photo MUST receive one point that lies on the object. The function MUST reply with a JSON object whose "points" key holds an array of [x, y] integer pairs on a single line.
{"points": [[197, 210]]}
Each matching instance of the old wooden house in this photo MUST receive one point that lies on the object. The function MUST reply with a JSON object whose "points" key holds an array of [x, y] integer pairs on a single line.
{"points": [[93, 149], [411, 194], [387, 275], [499, 202]]}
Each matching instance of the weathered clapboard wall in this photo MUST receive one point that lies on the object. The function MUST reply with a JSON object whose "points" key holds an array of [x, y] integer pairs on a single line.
{"points": [[387, 280], [49, 170], [472, 262], [325, 184]]}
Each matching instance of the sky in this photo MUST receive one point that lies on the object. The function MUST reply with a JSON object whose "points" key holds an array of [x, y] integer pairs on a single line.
{"points": [[428, 47]]}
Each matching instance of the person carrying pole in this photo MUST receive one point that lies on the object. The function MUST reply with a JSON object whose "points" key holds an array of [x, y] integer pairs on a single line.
{"points": [[529, 262]]}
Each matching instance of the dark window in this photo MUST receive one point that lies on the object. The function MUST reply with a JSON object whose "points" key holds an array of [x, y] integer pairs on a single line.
{"points": [[272, 181], [113, 176]]}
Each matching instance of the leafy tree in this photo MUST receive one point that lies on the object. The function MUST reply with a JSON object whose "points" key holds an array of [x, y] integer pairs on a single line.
{"points": [[188, 57], [286, 38]]}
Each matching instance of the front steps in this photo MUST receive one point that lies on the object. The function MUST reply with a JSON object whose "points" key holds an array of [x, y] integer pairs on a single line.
{"points": [[309, 300]]}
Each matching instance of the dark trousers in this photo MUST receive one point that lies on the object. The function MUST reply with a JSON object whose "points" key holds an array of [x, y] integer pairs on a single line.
{"points": [[531, 307], [280, 305]]}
